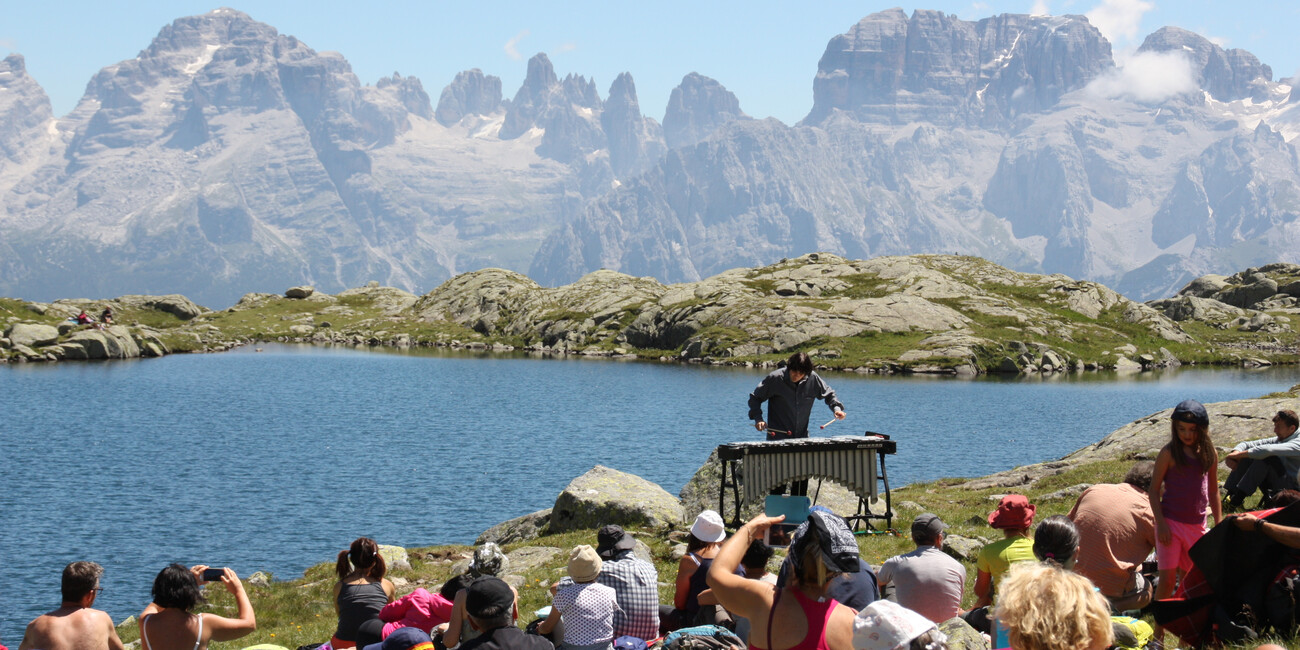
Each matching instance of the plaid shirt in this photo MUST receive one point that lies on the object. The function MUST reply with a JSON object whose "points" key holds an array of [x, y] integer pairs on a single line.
{"points": [[636, 589]]}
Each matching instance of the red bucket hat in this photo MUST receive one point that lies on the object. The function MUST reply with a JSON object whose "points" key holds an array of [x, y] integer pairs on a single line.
{"points": [[1014, 511]]}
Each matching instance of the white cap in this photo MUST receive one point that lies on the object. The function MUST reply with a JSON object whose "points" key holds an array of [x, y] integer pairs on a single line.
{"points": [[708, 527], [886, 625]]}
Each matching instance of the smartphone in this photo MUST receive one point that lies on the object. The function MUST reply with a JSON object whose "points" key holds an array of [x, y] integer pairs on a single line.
{"points": [[213, 575], [795, 510]]}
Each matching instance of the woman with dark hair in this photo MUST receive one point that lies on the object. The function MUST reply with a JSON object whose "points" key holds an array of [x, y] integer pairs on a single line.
{"points": [[168, 623], [1057, 540], [360, 594]]}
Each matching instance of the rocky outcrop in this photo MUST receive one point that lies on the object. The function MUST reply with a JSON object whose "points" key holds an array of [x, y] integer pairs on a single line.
{"points": [[697, 107], [32, 334], [1226, 74], [470, 93], [606, 496], [519, 529], [113, 342], [299, 293], [635, 142], [24, 111], [935, 67]]}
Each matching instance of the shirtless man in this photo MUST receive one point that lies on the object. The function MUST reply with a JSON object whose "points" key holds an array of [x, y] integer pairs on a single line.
{"points": [[74, 625]]}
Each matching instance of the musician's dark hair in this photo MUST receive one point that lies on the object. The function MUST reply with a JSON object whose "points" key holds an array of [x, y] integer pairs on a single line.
{"points": [[800, 362]]}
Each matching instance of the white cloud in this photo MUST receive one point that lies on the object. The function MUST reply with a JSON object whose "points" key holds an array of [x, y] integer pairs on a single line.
{"points": [[1119, 20], [512, 46], [567, 47], [1148, 77], [1040, 8], [979, 6]]}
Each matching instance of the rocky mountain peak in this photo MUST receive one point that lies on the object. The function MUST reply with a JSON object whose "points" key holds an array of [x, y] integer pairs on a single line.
{"points": [[1226, 74], [408, 92], [24, 107], [937, 68], [470, 93], [697, 107], [635, 142]]}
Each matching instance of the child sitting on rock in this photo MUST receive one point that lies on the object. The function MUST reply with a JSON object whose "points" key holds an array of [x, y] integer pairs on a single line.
{"points": [[586, 606]]}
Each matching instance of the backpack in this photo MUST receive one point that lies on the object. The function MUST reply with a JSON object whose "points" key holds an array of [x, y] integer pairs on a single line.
{"points": [[703, 637], [1280, 600]]}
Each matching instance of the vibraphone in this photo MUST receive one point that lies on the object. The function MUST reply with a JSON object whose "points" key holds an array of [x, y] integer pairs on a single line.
{"points": [[857, 462]]}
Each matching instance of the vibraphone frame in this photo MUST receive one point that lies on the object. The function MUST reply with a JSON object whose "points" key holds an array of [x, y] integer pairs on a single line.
{"points": [[862, 517]]}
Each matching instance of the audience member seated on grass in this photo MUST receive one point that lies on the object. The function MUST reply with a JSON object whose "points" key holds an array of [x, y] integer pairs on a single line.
{"points": [[586, 606], [1014, 516], [1269, 465], [168, 623], [635, 583], [797, 613], [74, 625], [1045, 607], [926, 580], [422, 609], [1056, 540], [886, 625], [360, 594], [857, 589], [1117, 532], [490, 605], [702, 546]]}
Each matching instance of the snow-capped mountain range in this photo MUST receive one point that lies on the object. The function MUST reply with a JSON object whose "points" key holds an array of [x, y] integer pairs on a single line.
{"points": [[229, 158]]}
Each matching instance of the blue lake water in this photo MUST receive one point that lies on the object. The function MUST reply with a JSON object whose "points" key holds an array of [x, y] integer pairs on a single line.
{"points": [[276, 460]]}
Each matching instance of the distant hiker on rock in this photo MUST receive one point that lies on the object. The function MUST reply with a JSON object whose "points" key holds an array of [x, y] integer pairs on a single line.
{"points": [[83, 318], [106, 316], [1270, 465], [74, 625], [790, 393]]}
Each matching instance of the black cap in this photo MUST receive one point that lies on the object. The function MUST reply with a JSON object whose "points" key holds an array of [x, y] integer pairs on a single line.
{"points": [[488, 594], [611, 539], [1191, 411]]}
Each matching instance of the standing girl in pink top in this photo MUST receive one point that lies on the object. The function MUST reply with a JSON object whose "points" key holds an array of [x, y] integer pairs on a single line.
{"points": [[1188, 470]]}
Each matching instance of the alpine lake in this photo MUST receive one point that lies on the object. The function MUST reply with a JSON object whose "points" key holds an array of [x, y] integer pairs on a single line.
{"points": [[275, 457]]}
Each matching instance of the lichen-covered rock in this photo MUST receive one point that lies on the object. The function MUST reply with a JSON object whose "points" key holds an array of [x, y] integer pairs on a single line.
{"points": [[298, 293], [113, 342], [607, 496], [961, 636], [961, 548], [1189, 307], [1247, 295], [523, 560], [395, 557], [32, 334], [519, 529]]}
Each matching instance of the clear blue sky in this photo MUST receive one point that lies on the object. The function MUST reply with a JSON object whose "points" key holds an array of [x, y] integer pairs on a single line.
{"points": [[764, 51]]}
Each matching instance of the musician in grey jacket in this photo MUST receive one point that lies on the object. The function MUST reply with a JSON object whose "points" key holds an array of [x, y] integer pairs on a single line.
{"points": [[790, 393]]}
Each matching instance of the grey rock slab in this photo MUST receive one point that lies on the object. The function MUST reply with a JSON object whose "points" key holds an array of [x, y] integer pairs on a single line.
{"points": [[962, 549], [523, 560], [519, 529], [32, 334], [607, 496], [299, 292]]}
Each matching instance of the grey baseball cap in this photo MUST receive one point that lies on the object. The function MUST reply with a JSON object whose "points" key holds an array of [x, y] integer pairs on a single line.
{"points": [[928, 524]]}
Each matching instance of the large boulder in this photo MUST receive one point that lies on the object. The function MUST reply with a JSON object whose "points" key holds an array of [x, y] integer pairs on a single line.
{"points": [[607, 496], [1188, 307], [174, 304], [1246, 296], [1205, 286], [519, 529], [110, 343], [32, 334], [523, 560], [299, 293]]}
